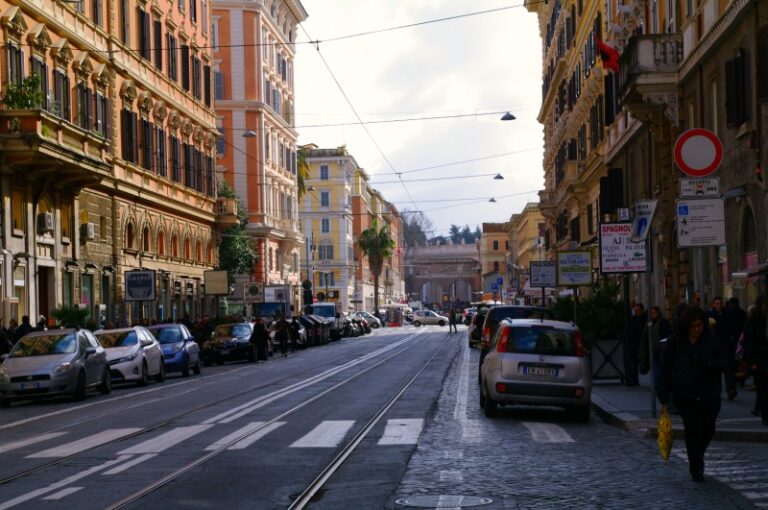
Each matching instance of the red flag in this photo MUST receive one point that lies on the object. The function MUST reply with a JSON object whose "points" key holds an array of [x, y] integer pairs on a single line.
{"points": [[608, 55]]}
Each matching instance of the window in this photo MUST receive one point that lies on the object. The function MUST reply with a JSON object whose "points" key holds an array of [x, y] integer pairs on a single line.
{"points": [[590, 220], [327, 280], [495, 245], [215, 35], [506, 245], [96, 15], [173, 66], [144, 42], [125, 23], [175, 246], [325, 226], [187, 249], [129, 236], [325, 252], [325, 199], [737, 89], [146, 241], [147, 145], [324, 172], [161, 243], [185, 67], [221, 142], [84, 106], [496, 266], [175, 159], [67, 288], [196, 78], [61, 94], [158, 45], [40, 68], [65, 219], [102, 114], [129, 135], [207, 85], [162, 157], [219, 85], [193, 10]]}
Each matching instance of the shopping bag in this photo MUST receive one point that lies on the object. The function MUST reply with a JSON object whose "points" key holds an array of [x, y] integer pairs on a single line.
{"points": [[664, 433]]}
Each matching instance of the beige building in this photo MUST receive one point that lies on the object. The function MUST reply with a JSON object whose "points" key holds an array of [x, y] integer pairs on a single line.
{"points": [[493, 247], [526, 244]]}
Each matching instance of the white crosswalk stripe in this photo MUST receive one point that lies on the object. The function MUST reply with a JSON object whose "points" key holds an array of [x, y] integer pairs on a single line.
{"points": [[62, 493], [405, 431], [7, 447], [250, 434], [326, 435], [128, 465], [164, 441], [547, 432], [92, 441]]}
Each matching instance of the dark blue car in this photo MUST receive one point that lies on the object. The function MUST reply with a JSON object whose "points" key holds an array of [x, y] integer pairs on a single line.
{"points": [[180, 351]]}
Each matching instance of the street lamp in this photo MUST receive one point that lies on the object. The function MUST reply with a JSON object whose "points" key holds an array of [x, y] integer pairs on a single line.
{"points": [[508, 116], [250, 134], [492, 200], [498, 177]]}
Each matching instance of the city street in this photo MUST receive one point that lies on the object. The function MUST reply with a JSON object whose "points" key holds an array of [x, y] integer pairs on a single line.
{"points": [[378, 421]]}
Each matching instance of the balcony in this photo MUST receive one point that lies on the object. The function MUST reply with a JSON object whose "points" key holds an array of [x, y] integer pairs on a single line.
{"points": [[648, 75], [42, 145], [226, 212]]}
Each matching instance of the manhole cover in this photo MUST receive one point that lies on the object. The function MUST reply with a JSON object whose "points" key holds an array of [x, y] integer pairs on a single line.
{"points": [[443, 501]]}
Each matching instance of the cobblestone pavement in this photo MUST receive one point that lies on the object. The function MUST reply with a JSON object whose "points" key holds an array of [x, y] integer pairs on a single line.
{"points": [[530, 458]]}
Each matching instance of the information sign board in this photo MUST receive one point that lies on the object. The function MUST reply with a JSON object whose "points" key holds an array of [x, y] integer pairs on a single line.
{"points": [[543, 273], [700, 222], [140, 285], [618, 254], [574, 268], [705, 187]]}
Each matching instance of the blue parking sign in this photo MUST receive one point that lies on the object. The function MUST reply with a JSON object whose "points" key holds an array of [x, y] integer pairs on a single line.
{"points": [[682, 210]]}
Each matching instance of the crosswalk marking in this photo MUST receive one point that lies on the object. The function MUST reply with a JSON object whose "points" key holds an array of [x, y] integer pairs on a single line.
{"points": [[7, 447], [164, 441], [62, 493], [92, 441], [326, 435], [405, 431], [248, 441], [249, 433], [128, 465], [547, 432]]}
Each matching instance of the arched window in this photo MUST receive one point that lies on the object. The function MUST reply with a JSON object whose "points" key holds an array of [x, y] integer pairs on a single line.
{"points": [[210, 253], [199, 251], [146, 241], [161, 243], [175, 245], [187, 249], [129, 236]]}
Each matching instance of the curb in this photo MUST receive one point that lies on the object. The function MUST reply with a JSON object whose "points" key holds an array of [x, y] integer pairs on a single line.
{"points": [[647, 426]]}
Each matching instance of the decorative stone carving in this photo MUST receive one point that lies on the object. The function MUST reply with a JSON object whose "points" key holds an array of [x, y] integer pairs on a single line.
{"points": [[13, 23], [160, 111], [101, 76], [145, 103], [62, 53], [128, 91], [82, 65], [186, 127], [39, 39]]}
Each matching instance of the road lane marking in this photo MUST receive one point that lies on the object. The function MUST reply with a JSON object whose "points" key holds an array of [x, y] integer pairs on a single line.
{"points": [[326, 435], [166, 440], [7, 447], [451, 475], [128, 465], [242, 431], [547, 432], [61, 483], [248, 441], [103, 437], [402, 431], [63, 493]]}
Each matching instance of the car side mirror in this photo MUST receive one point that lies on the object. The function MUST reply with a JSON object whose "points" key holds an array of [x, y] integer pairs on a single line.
{"points": [[89, 351]]}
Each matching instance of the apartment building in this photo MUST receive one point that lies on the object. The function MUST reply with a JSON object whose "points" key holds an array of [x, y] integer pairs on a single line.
{"points": [[526, 244], [108, 164], [253, 70], [493, 247]]}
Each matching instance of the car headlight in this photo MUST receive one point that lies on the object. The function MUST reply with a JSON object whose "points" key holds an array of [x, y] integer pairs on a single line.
{"points": [[176, 348], [130, 357], [4, 377], [64, 367]]}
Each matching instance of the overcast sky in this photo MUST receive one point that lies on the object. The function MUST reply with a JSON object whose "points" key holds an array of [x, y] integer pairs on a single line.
{"points": [[467, 66]]}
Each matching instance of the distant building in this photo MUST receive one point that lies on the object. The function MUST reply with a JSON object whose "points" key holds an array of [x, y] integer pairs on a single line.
{"points": [[526, 238], [493, 246]]}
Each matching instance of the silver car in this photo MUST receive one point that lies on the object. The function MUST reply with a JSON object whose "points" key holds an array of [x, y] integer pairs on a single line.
{"points": [[373, 322], [428, 317], [54, 362], [537, 362]]}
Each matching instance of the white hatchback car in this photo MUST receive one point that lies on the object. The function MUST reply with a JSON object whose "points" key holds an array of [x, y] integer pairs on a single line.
{"points": [[428, 317], [133, 354], [537, 362]]}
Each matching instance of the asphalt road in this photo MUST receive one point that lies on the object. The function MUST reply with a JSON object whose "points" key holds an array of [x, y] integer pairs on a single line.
{"points": [[257, 435]]}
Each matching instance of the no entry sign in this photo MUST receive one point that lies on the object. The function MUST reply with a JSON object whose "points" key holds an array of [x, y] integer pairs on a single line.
{"points": [[698, 152]]}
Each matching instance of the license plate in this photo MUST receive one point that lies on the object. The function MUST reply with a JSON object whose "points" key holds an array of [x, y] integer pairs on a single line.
{"points": [[546, 371], [29, 386]]}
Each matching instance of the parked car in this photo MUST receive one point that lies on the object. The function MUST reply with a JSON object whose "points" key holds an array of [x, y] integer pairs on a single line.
{"points": [[55, 362], [180, 351], [496, 314], [230, 342], [427, 317], [469, 314], [133, 354], [537, 362], [373, 321]]}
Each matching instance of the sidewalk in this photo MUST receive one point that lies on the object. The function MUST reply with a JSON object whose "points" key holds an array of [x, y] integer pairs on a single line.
{"points": [[630, 408]]}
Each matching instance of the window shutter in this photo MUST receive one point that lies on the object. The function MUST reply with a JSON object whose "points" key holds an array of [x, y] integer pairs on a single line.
{"points": [[134, 138], [158, 45], [207, 84]]}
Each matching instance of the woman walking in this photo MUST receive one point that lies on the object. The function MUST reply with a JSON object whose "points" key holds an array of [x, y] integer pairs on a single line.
{"points": [[691, 368], [756, 353], [260, 339]]}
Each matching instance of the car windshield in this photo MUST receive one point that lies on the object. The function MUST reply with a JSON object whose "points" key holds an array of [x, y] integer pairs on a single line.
{"points": [[42, 345], [170, 335], [118, 339], [324, 311], [542, 340], [233, 330]]}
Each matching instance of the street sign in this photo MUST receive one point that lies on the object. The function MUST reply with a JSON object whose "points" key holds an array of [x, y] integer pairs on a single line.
{"points": [[574, 268], [216, 283], [618, 254], [543, 273], [644, 211], [253, 291], [707, 187], [140, 285], [623, 213], [495, 287], [739, 281], [698, 152], [499, 280], [700, 222]]}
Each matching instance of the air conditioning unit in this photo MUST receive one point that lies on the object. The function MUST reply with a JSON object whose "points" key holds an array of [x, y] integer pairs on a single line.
{"points": [[44, 223], [87, 231]]}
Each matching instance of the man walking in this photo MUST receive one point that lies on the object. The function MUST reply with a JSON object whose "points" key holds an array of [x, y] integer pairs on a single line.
{"points": [[659, 331], [722, 331], [632, 357], [452, 321]]}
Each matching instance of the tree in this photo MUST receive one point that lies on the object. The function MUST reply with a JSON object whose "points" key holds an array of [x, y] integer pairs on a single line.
{"points": [[455, 233], [302, 171], [236, 253], [415, 228], [376, 244]]}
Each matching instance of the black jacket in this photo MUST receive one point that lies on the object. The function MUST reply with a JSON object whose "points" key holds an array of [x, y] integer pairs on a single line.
{"points": [[691, 370], [756, 342]]}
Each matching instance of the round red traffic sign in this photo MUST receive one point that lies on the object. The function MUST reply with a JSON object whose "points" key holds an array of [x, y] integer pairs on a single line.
{"points": [[698, 152]]}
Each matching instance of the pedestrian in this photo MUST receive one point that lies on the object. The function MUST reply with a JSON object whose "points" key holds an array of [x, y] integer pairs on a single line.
{"points": [[660, 330], [42, 323], [756, 353], [632, 357], [452, 320], [5, 340], [23, 329], [691, 364], [282, 335], [259, 339], [721, 329], [293, 331]]}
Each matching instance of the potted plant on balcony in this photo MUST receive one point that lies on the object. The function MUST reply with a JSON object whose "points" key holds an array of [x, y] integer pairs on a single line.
{"points": [[26, 95]]}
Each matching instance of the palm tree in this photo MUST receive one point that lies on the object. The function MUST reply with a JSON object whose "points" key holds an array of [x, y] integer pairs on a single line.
{"points": [[302, 171], [377, 245]]}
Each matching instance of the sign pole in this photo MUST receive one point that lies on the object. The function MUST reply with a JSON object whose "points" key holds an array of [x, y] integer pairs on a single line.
{"points": [[543, 296], [651, 337]]}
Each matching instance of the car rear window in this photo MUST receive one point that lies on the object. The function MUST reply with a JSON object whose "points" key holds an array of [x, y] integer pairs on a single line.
{"points": [[541, 340]]}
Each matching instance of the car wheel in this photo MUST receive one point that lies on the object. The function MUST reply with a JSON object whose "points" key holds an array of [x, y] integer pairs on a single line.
{"points": [[160, 377], [79, 393], [482, 400], [491, 406], [105, 387], [198, 368], [185, 370], [5, 402], [416, 323], [144, 380], [580, 414], [441, 323], [375, 325]]}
